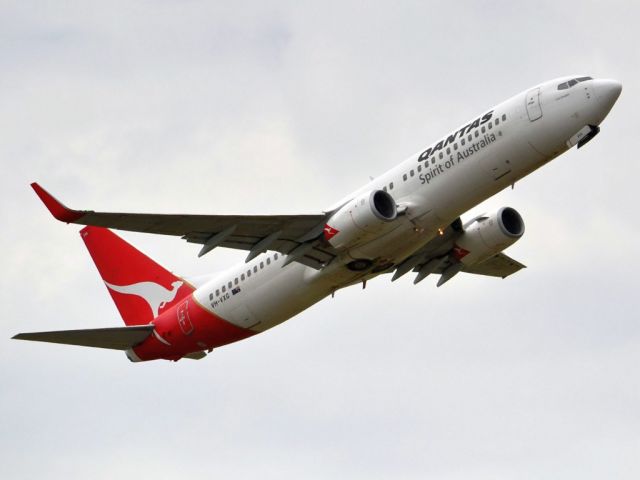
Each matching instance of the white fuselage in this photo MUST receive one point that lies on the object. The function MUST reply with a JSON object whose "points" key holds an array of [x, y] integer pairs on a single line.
{"points": [[509, 141]]}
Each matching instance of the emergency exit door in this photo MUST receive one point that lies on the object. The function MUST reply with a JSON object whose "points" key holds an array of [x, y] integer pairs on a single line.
{"points": [[534, 111]]}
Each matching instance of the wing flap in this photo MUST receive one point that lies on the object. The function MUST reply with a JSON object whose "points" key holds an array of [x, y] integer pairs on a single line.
{"points": [[118, 338]]}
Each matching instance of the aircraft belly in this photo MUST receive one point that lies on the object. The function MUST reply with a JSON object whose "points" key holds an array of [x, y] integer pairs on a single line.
{"points": [[283, 296]]}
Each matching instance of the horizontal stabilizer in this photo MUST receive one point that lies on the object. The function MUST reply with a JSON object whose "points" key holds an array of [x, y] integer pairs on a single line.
{"points": [[119, 338]]}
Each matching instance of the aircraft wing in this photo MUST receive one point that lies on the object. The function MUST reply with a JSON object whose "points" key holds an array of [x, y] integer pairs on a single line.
{"points": [[255, 233], [437, 257]]}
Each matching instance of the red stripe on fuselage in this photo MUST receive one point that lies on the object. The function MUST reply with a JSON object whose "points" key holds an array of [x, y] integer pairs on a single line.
{"points": [[185, 328]]}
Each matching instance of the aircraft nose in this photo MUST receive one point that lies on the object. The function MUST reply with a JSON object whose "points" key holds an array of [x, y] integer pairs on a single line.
{"points": [[607, 92]]}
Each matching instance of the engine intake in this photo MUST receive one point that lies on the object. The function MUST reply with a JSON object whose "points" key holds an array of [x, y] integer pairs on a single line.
{"points": [[383, 206], [510, 222], [361, 219]]}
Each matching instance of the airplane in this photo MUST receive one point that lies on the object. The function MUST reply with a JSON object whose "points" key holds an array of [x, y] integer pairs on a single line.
{"points": [[406, 220]]}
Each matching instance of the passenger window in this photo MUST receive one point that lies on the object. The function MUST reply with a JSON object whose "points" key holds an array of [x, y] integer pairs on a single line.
{"points": [[470, 138], [411, 172], [235, 281], [275, 256], [384, 189], [268, 260], [477, 134], [211, 296], [261, 265], [419, 168], [229, 285], [224, 289], [448, 151], [255, 269], [462, 142], [497, 122], [242, 277], [504, 117], [441, 155], [217, 292], [404, 177], [391, 186], [455, 146], [433, 160], [489, 125], [483, 129], [248, 273]]}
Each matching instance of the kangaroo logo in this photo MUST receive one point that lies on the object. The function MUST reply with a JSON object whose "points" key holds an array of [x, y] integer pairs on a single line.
{"points": [[459, 253], [330, 232], [155, 295]]}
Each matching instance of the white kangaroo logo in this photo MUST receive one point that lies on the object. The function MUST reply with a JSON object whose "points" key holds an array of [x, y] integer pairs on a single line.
{"points": [[155, 295]]}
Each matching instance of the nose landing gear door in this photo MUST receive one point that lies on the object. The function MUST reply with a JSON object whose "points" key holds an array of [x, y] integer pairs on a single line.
{"points": [[534, 111]]}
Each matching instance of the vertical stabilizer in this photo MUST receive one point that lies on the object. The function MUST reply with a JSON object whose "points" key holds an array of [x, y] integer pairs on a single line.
{"points": [[140, 288]]}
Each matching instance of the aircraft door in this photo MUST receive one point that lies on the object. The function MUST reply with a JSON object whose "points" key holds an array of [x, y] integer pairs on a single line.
{"points": [[534, 110]]}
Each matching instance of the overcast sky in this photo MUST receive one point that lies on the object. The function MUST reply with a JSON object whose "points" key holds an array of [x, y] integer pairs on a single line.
{"points": [[277, 107]]}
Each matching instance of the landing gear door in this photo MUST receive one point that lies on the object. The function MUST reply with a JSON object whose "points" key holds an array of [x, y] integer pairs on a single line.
{"points": [[534, 111]]}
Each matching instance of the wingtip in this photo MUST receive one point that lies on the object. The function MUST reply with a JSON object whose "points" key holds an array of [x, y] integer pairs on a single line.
{"points": [[55, 207]]}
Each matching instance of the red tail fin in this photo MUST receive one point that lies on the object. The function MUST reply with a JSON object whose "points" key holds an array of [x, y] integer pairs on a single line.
{"points": [[140, 288]]}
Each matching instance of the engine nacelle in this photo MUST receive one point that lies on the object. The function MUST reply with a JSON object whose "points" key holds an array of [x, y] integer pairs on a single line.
{"points": [[487, 235], [361, 219]]}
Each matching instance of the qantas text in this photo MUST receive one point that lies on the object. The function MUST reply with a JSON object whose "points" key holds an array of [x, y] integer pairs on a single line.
{"points": [[432, 172], [454, 136]]}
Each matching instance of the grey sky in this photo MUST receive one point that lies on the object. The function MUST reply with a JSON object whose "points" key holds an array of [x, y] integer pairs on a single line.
{"points": [[284, 108]]}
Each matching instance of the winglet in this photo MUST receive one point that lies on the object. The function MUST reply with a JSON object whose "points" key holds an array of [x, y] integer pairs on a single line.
{"points": [[57, 209]]}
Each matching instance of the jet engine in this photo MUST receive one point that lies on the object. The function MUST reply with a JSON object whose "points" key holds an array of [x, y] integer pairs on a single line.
{"points": [[488, 234], [362, 218]]}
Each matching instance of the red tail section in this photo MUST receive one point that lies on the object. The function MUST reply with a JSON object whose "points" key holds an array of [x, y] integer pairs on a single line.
{"points": [[140, 288]]}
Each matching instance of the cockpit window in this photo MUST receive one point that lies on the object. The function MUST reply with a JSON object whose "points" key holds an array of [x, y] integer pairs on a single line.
{"points": [[572, 82]]}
